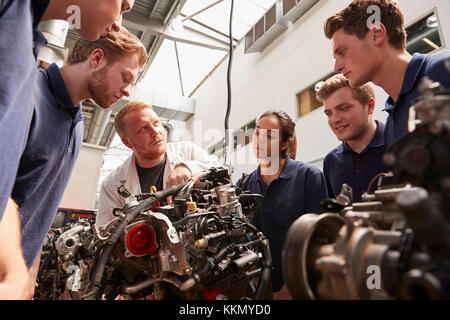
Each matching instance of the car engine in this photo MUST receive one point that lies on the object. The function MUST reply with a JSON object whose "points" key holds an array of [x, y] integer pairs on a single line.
{"points": [[202, 246]]}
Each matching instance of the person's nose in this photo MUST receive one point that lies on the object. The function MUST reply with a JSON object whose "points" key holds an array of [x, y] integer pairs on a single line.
{"points": [[154, 130], [116, 25], [335, 118], [126, 91], [338, 65]]}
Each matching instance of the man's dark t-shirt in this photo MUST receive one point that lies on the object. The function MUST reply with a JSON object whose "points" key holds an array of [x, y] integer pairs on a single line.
{"points": [[149, 177]]}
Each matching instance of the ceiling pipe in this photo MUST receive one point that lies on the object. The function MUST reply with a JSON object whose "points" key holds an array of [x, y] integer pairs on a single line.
{"points": [[55, 31], [98, 125]]}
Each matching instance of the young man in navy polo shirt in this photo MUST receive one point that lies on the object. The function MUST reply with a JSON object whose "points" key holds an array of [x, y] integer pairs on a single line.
{"points": [[20, 42], [357, 160], [369, 50], [104, 71]]}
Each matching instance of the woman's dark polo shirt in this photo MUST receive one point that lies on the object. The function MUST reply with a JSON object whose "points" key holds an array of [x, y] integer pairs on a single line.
{"points": [[298, 189]]}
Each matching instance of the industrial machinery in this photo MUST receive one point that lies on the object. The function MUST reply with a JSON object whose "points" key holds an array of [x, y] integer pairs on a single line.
{"points": [[202, 246], [395, 244], [57, 270]]}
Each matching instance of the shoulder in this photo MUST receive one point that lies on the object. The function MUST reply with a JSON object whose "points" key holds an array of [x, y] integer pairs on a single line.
{"points": [[248, 180], [435, 67], [335, 155], [41, 79], [439, 57], [119, 172], [302, 169], [180, 146]]}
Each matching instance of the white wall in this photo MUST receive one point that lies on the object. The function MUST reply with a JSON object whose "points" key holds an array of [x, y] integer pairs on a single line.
{"points": [[81, 190], [294, 61]]}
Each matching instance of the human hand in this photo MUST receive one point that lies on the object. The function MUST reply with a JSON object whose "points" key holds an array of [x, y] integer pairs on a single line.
{"points": [[179, 174]]}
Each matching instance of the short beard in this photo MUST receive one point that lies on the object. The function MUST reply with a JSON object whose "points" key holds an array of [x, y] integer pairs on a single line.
{"points": [[153, 154], [98, 87]]}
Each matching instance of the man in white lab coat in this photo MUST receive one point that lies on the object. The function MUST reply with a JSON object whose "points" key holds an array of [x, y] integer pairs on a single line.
{"points": [[154, 162]]}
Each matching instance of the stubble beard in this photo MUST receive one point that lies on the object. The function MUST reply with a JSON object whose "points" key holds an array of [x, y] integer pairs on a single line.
{"points": [[98, 87]]}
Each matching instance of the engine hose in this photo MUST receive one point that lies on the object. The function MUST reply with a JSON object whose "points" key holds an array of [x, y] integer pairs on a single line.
{"points": [[205, 269], [198, 275], [192, 216], [265, 273], [94, 291]]}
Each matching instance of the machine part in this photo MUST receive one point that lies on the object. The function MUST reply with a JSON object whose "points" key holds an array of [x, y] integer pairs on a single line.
{"points": [[170, 252], [297, 256], [245, 260], [68, 243], [140, 239]]}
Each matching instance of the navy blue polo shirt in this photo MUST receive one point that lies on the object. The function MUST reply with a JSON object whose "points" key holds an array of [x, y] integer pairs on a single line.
{"points": [[343, 165], [20, 41], [54, 141], [298, 189], [421, 65]]}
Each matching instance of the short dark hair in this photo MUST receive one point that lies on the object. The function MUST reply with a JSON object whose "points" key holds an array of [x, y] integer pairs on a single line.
{"points": [[354, 20]]}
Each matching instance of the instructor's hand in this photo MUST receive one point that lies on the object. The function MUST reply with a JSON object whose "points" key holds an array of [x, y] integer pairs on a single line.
{"points": [[179, 174]]}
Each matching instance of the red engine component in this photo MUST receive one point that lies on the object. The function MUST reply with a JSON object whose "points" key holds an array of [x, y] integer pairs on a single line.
{"points": [[214, 294], [141, 240]]}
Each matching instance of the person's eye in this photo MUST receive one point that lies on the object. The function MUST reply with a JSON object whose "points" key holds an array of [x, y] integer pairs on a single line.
{"points": [[342, 52]]}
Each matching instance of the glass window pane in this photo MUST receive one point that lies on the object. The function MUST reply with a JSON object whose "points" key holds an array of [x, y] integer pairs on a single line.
{"points": [[423, 36]]}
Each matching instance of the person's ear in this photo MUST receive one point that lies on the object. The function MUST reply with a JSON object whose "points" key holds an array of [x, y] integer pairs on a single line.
{"points": [[371, 105], [378, 33], [285, 145], [96, 58], [126, 142]]}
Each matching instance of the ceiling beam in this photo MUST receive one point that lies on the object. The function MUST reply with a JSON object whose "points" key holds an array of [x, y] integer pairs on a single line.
{"points": [[201, 10], [155, 6], [189, 35]]}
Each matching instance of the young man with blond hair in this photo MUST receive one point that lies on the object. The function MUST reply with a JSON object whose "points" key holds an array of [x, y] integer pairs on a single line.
{"points": [[369, 44], [154, 161], [358, 159], [104, 71]]}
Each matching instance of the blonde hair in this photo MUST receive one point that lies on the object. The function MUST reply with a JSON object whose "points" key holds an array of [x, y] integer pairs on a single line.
{"points": [[131, 106], [114, 45], [363, 93]]}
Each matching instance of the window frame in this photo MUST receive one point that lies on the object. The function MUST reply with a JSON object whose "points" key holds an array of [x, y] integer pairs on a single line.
{"points": [[439, 27]]}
